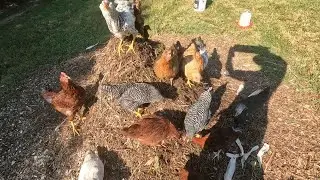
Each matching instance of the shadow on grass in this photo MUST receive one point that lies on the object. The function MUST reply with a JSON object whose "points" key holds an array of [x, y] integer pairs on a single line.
{"points": [[253, 121]]}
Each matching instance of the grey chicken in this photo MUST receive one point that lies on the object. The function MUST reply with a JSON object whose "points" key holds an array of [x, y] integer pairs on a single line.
{"points": [[120, 20], [198, 114], [132, 95], [201, 46], [92, 167]]}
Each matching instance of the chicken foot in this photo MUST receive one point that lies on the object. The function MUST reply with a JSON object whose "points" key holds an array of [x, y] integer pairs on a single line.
{"points": [[139, 112], [120, 47], [171, 81], [131, 47], [189, 83], [74, 128]]}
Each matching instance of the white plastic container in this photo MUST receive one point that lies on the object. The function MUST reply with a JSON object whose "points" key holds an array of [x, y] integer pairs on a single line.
{"points": [[245, 19], [200, 5]]}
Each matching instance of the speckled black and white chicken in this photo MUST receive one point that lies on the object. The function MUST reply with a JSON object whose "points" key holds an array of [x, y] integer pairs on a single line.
{"points": [[120, 19], [198, 114], [132, 95]]}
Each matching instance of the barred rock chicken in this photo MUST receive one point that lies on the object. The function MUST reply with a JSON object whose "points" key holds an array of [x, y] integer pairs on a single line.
{"points": [[120, 20], [167, 66], [194, 60], [152, 130], [92, 167], [68, 100], [132, 95], [198, 114], [222, 138]]}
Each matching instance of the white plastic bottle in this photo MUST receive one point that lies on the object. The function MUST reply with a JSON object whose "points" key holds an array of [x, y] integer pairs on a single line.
{"points": [[200, 5]]}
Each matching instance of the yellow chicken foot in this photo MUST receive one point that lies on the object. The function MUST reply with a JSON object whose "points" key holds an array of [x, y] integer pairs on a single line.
{"points": [[82, 118], [120, 47], [189, 83], [131, 47], [198, 135], [74, 129], [139, 112]]}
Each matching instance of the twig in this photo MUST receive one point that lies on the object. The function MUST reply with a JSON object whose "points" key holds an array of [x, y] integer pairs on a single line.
{"points": [[269, 161], [56, 129]]}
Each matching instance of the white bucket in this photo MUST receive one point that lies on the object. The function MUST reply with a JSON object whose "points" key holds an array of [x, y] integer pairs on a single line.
{"points": [[200, 5], [245, 19]]}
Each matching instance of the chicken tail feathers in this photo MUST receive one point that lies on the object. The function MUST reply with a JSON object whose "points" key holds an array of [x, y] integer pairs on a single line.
{"points": [[200, 141], [48, 95], [131, 131], [146, 28]]}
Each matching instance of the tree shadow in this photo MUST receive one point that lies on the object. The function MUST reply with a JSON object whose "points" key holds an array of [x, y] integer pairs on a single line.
{"points": [[176, 117], [165, 89], [213, 68], [91, 94], [216, 98], [254, 120], [114, 166]]}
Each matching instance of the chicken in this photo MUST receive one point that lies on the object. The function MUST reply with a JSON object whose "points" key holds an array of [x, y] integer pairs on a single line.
{"points": [[68, 100], [120, 20], [152, 130], [167, 66], [198, 114], [91, 168], [139, 23], [132, 95], [194, 60]]}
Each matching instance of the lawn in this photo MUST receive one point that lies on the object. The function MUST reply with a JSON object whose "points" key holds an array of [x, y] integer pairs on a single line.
{"points": [[289, 28], [56, 30], [47, 34]]}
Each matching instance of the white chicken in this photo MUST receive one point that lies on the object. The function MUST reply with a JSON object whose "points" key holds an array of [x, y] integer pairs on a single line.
{"points": [[120, 20], [92, 167]]}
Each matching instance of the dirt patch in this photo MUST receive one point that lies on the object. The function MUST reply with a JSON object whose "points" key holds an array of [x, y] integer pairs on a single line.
{"points": [[31, 149]]}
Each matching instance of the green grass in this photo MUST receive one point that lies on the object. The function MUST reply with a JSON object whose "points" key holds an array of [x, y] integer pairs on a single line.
{"points": [[48, 34], [59, 29], [290, 28]]}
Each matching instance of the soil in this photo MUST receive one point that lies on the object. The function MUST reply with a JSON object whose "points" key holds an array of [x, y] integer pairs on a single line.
{"points": [[287, 121]]}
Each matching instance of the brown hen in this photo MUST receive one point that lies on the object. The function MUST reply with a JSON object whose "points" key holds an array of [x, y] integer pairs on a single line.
{"points": [[152, 130], [68, 100], [167, 66], [192, 64]]}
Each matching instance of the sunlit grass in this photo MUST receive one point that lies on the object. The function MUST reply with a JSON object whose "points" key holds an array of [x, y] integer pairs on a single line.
{"points": [[289, 28]]}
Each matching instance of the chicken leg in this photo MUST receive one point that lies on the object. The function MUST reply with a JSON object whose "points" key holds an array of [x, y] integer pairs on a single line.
{"points": [[131, 47], [189, 83], [120, 47], [73, 127], [171, 81]]}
